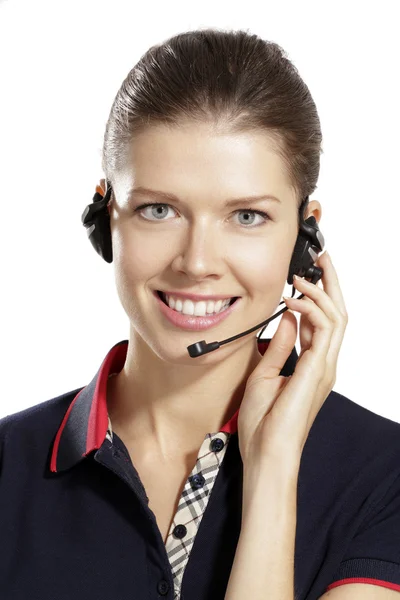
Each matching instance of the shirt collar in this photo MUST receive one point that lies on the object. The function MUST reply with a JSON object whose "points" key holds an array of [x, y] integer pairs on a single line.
{"points": [[86, 422]]}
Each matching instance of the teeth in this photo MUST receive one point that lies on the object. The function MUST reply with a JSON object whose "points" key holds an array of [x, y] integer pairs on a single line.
{"points": [[198, 309]]}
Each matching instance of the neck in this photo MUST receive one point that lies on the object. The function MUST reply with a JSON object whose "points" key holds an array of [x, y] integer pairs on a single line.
{"points": [[165, 408]]}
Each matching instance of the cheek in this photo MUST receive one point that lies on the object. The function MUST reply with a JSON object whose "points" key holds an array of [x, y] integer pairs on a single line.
{"points": [[135, 263], [263, 264], [135, 257]]}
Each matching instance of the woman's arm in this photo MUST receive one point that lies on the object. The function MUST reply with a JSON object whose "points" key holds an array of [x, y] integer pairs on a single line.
{"points": [[264, 561], [275, 418]]}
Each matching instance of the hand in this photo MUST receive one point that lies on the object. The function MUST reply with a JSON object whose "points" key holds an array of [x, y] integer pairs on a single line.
{"points": [[277, 412]]}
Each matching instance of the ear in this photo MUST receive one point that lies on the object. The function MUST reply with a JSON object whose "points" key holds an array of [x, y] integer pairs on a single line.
{"points": [[314, 209]]}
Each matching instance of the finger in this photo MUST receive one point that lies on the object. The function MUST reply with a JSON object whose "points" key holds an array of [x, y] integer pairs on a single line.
{"points": [[333, 352], [333, 289], [306, 331], [322, 299], [278, 350], [321, 339], [331, 283], [319, 296]]}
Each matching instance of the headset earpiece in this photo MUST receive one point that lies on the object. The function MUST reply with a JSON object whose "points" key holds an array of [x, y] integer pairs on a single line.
{"points": [[96, 220], [309, 243]]}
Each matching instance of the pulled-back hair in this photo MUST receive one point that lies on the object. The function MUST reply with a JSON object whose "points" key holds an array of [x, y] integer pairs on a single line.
{"points": [[233, 80]]}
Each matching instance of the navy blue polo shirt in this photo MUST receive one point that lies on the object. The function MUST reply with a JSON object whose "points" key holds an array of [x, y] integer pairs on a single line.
{"points": [[75, 520]]}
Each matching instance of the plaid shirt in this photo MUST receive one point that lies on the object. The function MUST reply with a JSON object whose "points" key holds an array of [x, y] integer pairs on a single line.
{"points": [[193, 501]]}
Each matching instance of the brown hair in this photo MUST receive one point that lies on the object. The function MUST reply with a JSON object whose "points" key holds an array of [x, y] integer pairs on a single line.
{"points": [[231, 79]]}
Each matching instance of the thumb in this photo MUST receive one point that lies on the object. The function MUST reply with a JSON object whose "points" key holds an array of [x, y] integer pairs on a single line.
{"points": [[279, 349]]}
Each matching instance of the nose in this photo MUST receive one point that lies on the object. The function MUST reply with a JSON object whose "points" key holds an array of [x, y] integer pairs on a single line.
{"points": [[201, 253]]}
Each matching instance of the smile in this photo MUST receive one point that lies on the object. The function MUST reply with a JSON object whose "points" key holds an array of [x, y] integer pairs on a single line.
{"points": [[201, 308], [186, 317]]}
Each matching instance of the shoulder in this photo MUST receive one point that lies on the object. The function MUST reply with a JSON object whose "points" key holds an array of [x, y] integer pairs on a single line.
{"points": [[344, 426], [350, 450], [347, 421], [35, 423]]}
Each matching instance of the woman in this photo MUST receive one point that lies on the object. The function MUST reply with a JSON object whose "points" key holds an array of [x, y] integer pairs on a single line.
{"points": [[235, 472]]}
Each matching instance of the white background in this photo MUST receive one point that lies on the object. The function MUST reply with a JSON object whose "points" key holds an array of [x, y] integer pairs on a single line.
{"points": [[61, 66]]}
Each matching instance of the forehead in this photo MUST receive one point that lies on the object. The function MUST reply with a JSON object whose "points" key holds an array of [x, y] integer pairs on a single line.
{"points": [[198, 157], [203, 143]]}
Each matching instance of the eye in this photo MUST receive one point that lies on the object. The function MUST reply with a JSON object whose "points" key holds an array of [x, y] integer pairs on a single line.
{"points": [[160, 213], [159, 210], [259, 213]]}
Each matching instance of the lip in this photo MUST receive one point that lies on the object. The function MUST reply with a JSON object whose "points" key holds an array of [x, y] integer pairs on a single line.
{"points": [[197, 297], [190, 322]]}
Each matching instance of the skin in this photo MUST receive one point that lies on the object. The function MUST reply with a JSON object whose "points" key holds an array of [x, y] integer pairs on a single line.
{"points": [[163, 401]]}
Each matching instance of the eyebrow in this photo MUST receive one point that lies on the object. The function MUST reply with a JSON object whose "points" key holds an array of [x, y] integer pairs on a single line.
{"points": [[171, 197]]}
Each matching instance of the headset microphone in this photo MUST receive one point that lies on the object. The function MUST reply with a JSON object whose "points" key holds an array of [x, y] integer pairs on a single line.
{"points": [[200, 348], [309, 243]]}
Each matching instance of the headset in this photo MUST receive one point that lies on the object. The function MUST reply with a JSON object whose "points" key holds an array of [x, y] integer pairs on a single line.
{"points": [[309, 243]]}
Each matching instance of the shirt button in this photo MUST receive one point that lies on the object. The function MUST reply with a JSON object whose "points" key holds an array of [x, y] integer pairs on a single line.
{"points": [[163, 587], [217, 444], [179, 531], [197, 481]]}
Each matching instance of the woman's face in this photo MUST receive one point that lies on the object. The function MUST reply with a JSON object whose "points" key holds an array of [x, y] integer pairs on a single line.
{"points": [[199, 244]]}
